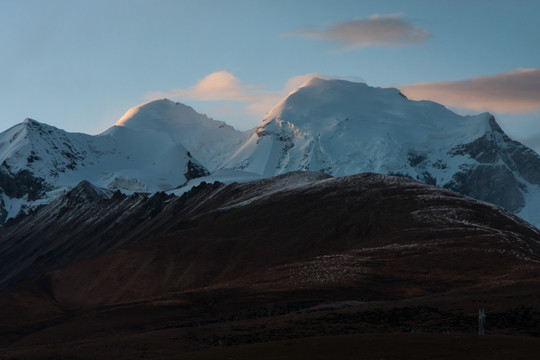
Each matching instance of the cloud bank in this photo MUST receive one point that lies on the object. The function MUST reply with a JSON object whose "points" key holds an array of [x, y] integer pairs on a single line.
{"points": [[515, 92], [376, 30]]}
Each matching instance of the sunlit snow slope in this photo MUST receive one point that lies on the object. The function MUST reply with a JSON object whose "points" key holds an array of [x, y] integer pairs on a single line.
{"points": [[212, 141]]}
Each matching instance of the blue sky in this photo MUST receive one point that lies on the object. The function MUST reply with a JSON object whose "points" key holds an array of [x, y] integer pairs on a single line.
{"points": [[79, 65]]}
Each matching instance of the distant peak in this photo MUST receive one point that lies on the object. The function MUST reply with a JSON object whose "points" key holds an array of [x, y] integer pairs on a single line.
{"points": [[84, 185], [36, 125], [155, 111], [87, 191], [29, 121], [161, 102], [320, 98]]}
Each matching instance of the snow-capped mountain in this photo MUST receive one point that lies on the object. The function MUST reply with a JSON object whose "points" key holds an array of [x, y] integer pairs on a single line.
{"points": [[38, 162], [331, 126], [212, 141], [342, 128]]}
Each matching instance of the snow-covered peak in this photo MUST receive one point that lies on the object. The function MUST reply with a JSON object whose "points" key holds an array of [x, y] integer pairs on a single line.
{"points": [[39, 128], [30, 141], [20, 132], [162, 115], [320, 101], [29, 121], [212, 141], [342, 127]]}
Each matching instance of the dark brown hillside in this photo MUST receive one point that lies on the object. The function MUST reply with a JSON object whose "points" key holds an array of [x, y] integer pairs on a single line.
{"points": [[88, 221], [291, 257], [335, 232]]}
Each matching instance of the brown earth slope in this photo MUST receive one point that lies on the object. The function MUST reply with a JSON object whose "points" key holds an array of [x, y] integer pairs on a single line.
{"points": [[291, 257]]}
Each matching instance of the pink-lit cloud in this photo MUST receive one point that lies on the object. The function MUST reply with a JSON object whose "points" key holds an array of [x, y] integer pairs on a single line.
{"points": [[513, 92], [221, 85], [391, 30], [224, 86]]}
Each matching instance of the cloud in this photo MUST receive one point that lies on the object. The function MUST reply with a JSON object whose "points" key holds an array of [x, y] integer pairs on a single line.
{"points": [[513, 92], [376, 30], [224, 86], [220, 85]]}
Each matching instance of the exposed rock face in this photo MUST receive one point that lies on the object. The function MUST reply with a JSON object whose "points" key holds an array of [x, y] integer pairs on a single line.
{"points": [[487, 183], [22, 183], [504, 168], [194, 171]]}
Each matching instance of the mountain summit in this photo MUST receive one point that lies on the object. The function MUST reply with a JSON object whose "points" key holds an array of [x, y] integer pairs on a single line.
{"points": [[341, 128], [213, 141]]}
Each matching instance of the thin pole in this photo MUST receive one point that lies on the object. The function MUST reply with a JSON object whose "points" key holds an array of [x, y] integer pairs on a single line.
{"points": [[481, 321]]}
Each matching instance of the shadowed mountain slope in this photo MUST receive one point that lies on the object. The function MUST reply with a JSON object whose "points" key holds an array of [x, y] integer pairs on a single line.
{"points": [[222, 263]]}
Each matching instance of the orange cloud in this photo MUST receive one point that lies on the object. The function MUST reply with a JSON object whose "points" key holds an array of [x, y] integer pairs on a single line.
{"points": [[513, 92], [376, 30], [224, 86], [220, 85]]}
